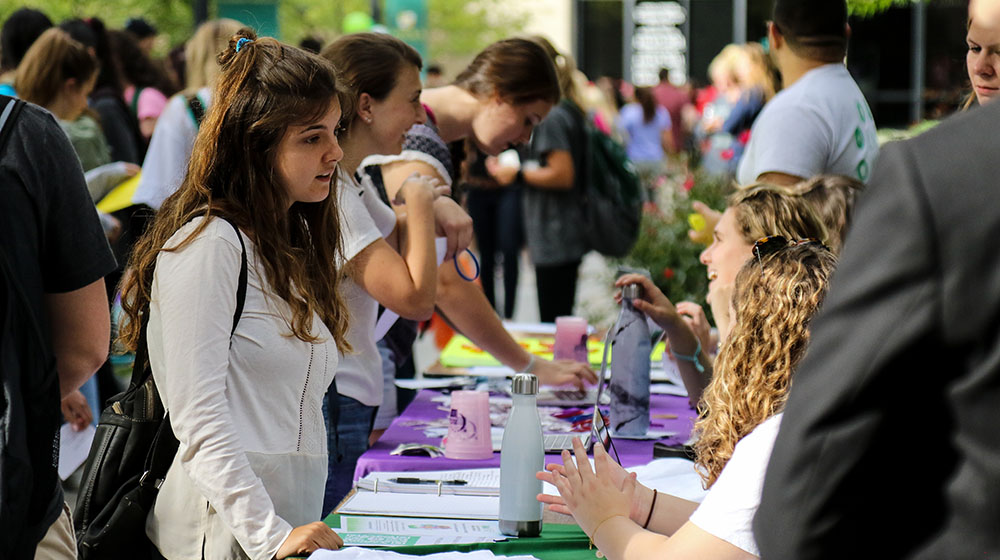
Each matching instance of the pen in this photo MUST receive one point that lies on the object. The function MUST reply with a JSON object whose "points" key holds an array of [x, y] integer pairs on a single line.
{"points": [[404, 480]]}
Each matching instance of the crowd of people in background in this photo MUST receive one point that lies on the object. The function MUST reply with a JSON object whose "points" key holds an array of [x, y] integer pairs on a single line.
{"points": [[322, 197]]}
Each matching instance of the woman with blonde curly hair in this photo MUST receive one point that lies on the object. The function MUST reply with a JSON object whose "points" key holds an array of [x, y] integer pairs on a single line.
{"points": [[832, 197], [752, 213], [776, 295]]}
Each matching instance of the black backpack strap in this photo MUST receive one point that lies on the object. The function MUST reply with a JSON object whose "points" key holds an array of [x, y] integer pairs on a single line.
{"points": [[139, 369], [164, 446], [197, 108], [241, 288]]}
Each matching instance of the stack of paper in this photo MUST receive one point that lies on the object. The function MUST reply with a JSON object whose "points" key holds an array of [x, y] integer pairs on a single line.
{"points": [[397, 531], [471, 482], [428, 494]]}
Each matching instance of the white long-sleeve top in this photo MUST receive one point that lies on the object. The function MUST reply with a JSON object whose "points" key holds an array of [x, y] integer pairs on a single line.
{"points": [[251, 463]]}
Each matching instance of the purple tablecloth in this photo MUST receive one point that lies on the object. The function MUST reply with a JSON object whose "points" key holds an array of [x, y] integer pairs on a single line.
{"points": [[631, 452]]}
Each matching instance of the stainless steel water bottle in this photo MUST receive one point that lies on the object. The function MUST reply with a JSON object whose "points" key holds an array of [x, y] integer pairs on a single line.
{"points": [[522, 454]]}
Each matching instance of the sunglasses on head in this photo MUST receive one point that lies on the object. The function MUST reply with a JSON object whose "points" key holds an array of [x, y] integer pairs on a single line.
{"points": [[773, 243]]}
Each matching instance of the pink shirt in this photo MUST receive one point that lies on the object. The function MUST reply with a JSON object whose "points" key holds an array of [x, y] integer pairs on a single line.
{"points": [[151, 102]]}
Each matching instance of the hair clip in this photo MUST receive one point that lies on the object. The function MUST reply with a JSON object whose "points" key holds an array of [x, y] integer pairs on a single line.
{"points": [[242, 41]]}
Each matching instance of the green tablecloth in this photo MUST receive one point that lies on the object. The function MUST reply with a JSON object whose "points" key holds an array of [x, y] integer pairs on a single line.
{"points": [[558, 542]]}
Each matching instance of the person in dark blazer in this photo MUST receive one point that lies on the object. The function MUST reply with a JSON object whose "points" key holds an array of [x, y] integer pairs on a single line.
{"points": [[889, 446]]}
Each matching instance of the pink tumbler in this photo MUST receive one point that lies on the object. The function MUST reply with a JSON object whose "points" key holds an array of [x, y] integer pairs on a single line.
{"points": [[571, 339], [469, 435]]}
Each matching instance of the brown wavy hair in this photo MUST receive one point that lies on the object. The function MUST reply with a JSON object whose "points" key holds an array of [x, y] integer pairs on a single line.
{"points": [[763, 209], [370, 63], [516, 70], [261, 91], [54, 58], [774, 298]]}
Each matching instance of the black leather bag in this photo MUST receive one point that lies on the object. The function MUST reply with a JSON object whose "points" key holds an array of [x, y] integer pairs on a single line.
{"points": [[132, 451]]}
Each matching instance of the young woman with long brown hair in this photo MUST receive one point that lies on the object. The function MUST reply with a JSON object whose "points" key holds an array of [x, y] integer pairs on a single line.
{"points": [[248, 475]]}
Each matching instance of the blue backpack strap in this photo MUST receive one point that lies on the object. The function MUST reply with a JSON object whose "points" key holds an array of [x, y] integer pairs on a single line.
{"points": [[12, 108]]}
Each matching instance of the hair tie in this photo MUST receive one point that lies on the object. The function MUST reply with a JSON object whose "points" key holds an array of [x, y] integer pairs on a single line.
{"points": [[242, 41]]}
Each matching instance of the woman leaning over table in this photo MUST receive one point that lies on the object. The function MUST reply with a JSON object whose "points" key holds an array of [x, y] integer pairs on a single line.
{"points": [[553, 221], [496, 102], [247, 478], [388, 260], [776, 294]]}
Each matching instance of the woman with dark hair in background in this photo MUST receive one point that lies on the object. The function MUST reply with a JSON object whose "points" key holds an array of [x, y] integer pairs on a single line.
{"points": [[16, 37], [121, 129], [142, 82], [647, 127], [498, 222], [553, 220]]}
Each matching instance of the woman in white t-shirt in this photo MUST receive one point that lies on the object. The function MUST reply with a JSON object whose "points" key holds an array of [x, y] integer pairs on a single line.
{"points": [[389, 261], [775, 296], [245, 405], [170, 145]]}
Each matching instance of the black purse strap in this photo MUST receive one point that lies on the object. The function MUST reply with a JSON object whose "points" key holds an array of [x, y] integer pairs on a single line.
{"points": [[164, 445]]}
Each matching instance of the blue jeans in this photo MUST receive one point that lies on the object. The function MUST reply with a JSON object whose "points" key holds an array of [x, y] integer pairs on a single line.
{"points": [[348, 424]]}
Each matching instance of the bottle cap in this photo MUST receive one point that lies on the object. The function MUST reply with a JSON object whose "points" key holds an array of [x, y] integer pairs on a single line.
{"points": [[631, 291], [524, 384]]}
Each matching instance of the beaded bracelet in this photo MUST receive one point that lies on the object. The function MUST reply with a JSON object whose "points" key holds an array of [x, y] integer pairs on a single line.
{"points": [[693, 358]]}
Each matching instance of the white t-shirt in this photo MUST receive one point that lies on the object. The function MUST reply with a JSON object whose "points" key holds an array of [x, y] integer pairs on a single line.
{"points": [[728, 510], [247, 411], [364, 219], [821, 124], [169, 150]]}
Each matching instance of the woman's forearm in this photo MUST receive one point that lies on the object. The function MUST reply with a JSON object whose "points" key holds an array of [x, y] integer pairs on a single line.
{"points": [[417, 243]]}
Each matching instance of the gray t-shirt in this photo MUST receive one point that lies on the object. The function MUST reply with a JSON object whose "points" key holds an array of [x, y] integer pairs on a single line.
{"points": [[553, 219], [821, 124]]}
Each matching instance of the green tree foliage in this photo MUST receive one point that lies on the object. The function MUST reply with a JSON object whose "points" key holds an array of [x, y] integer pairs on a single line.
{"points": [[461, 28], [664, 248], [172, 17], [458, 28], [868, 8]]}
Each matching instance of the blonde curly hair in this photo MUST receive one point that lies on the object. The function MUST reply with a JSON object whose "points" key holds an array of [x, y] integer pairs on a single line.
{"points": [[763, 209], [774, 299]]}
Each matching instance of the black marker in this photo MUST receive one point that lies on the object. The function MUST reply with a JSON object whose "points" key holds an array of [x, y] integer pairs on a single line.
{"points": [[403, 480]]}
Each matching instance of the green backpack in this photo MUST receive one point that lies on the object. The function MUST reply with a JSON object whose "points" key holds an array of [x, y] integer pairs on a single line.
{"points": [[612, 195]]}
